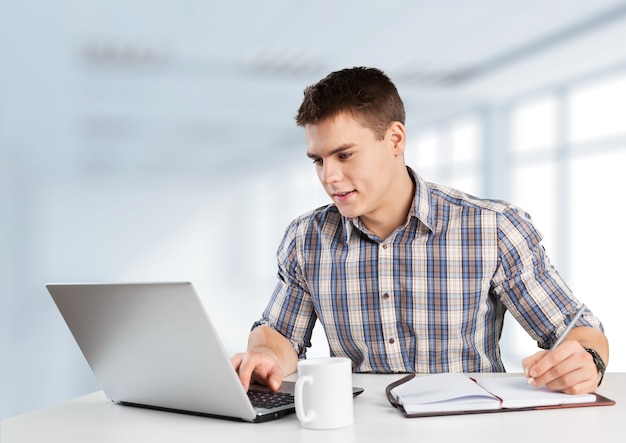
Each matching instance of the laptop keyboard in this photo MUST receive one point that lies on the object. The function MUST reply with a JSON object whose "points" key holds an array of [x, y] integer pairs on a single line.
{"points": [[269, 400]]}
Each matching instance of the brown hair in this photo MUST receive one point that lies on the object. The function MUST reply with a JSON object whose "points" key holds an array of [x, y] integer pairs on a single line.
{"points": [[367, 93]]}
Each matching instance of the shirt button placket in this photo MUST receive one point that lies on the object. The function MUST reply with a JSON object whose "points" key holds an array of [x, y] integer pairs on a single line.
{"points": [[387, 309]]}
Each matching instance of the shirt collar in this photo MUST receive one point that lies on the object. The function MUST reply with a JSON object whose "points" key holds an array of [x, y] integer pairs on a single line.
{"points": [[421, 206]]}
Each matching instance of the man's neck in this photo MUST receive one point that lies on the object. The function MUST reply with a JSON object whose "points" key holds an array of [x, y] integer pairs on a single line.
{"points": [[394, 215]]}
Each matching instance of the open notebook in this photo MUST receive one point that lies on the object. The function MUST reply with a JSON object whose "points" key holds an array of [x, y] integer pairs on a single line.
{"points": [[452, 393]]}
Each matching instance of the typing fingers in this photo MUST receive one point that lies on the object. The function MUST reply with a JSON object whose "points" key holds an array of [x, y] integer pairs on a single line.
{"points": [[244, 367], [258, 367], [235, 360]]}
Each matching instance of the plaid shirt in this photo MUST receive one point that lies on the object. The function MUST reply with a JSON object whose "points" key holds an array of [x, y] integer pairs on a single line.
{"points": [[431, 297]]}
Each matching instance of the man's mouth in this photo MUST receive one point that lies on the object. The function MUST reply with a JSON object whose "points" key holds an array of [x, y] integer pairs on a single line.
{"points": [[343, 195]]}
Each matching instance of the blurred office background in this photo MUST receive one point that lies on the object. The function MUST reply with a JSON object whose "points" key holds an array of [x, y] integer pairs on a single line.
{"points": [[154, 140]]}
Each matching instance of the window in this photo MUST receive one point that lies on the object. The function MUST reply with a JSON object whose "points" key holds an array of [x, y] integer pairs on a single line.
{"points": [[533, 125], [598, 110], [450, 154], [423, 155], [565, 169]]}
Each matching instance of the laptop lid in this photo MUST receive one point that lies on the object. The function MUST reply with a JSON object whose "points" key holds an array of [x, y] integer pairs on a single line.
{"points": [[153, 345]]}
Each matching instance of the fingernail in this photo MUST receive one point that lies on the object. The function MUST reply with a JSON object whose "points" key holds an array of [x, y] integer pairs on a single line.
{"points": [[531, 381]]}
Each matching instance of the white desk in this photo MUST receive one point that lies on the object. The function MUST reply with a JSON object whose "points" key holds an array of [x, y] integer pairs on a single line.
{"points": [[92, 418]]}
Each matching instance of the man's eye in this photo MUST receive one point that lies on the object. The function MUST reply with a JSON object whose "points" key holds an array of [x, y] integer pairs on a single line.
{"points": [[317, 161], [344, 155]]}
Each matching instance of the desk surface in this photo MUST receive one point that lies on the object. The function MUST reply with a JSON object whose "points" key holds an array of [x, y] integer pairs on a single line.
{"points": [[95, 419]]}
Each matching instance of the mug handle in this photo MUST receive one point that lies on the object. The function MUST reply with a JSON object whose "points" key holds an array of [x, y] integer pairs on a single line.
{"points": [[310, 415]]}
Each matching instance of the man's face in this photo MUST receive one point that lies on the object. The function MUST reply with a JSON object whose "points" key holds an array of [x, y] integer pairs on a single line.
{"points": [[356, 169]]}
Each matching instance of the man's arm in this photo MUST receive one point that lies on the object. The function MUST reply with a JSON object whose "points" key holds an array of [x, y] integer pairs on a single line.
{"points": [[268, 359], [569, 367]]}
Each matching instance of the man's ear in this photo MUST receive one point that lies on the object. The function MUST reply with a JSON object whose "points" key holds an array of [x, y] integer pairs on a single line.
{"points": [[397, 135]]}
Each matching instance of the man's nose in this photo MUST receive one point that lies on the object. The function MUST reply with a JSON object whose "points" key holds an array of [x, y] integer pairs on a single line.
{"points": [[331, 172]]}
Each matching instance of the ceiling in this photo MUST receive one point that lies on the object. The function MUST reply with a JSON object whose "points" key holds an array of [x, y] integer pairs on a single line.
{"points": [[196, 84]]}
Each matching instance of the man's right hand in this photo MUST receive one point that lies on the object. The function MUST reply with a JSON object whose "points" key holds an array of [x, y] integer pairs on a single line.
{"points": [[268, 359], [259, 367]]}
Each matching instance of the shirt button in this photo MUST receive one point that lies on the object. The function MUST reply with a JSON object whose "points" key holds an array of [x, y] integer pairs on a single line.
{"points": [[385, 245], [391, 341], [386, 296]]}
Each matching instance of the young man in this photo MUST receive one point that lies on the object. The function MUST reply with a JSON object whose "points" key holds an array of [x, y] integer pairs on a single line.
{"points": [[404, 275]]}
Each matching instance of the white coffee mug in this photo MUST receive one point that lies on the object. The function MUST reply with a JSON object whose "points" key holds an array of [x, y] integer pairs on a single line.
{"points": [[323, 393]]}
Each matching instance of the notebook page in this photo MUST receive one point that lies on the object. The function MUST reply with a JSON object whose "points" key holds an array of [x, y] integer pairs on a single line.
{"points": [[515, 392], [443, 393]]}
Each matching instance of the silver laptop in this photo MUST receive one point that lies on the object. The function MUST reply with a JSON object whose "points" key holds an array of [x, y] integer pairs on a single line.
{"points": [[153, 345]]}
